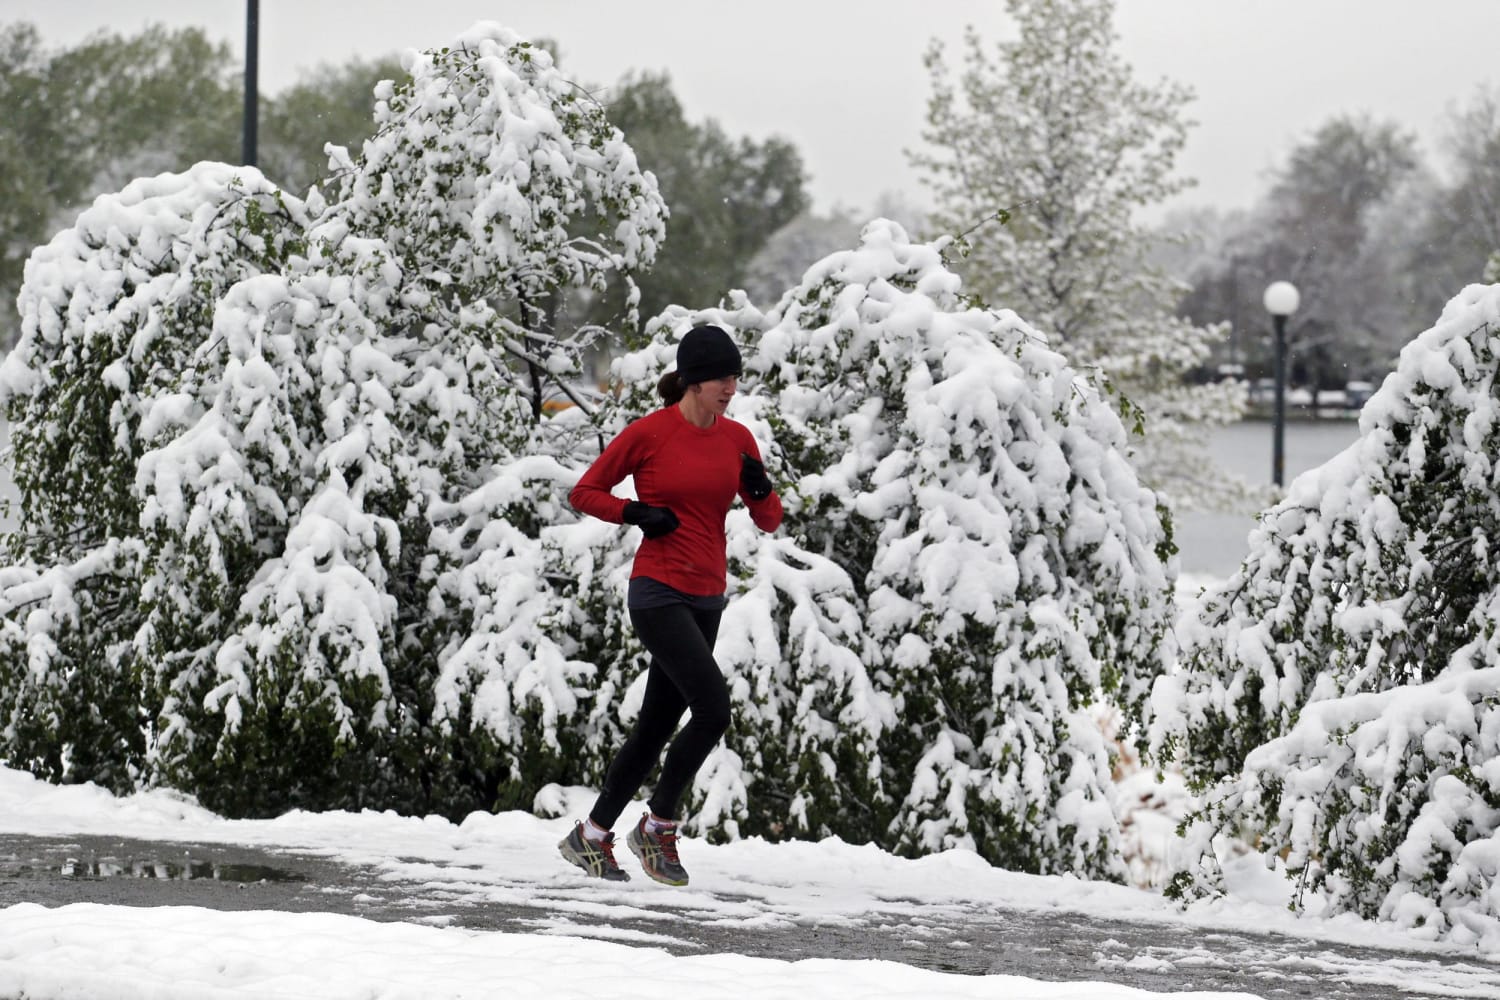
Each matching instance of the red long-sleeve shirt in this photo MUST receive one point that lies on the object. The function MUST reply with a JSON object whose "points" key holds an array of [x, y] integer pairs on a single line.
{"points": [[694, 471]]}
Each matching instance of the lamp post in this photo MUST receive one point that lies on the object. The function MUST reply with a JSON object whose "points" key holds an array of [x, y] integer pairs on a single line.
{"points": [[248, 152], [1281, 300]]}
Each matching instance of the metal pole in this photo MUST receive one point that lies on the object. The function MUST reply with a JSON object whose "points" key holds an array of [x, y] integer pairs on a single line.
{"points": [[1278, 452], [252, 87]]}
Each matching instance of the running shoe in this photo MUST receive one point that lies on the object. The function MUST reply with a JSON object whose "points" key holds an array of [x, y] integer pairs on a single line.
{"points": [[595, 857], [658, 853]]}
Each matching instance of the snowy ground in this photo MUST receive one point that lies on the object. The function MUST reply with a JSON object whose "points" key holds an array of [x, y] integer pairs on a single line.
{"points": [[164, 953]]}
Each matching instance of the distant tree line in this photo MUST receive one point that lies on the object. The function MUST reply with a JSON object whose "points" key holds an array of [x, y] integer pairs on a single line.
{"points": [[1375, 238]]}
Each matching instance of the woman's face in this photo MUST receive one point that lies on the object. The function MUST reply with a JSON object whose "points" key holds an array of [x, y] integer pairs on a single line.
{"points": [[715, 393]]}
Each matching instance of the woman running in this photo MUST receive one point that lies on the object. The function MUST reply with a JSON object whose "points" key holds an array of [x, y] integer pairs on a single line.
{"points": [[688, 461]]}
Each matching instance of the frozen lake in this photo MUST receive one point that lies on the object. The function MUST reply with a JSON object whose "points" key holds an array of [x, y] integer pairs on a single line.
{"points": [[1211, 544], [1215, 544]]}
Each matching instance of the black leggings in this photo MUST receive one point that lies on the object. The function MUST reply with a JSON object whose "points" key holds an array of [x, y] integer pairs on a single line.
{"points": [[682, 676]]}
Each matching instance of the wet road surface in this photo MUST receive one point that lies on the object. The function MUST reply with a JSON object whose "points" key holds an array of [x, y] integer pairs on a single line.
{"points": [[968, 939]]}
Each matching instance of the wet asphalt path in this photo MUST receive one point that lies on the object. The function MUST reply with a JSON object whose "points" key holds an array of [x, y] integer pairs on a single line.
{"points": [[967, 939]]}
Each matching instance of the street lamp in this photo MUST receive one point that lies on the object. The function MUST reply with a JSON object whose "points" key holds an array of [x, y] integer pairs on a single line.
{"points": [[1281, 301]]}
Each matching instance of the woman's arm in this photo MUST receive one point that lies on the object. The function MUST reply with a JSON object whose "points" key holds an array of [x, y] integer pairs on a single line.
{"points": [[593, 494]]}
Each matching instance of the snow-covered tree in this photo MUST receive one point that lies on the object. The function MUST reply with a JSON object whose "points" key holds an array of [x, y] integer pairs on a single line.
{"points": [[495, 183], [1337, 696], [1053, 133], [971, 564], [282, 465]]}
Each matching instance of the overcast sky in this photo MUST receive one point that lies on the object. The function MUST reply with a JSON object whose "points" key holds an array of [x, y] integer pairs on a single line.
{"points": [[843, 79]]}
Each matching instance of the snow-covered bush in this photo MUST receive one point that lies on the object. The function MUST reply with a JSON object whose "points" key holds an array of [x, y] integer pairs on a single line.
{"points": [[283, 465], [971, 564], [1337, 695], [114, 312]]}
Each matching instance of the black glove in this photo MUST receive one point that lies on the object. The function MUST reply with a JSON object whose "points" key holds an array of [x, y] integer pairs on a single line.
{"points": [[654, 521], [753, 477]]}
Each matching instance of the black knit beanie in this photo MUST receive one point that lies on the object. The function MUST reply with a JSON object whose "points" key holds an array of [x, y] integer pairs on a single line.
{"points": [[706, 352]]}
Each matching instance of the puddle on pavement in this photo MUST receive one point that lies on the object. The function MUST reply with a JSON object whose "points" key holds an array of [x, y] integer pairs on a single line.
{"points": [[174, 870]]}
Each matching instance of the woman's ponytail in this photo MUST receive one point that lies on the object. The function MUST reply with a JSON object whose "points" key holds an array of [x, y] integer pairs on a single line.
{"points": [[670, 388]]}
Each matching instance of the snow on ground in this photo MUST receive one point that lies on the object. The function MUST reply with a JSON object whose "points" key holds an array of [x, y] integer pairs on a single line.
{"points": [[202, 954], [167, 953]]}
